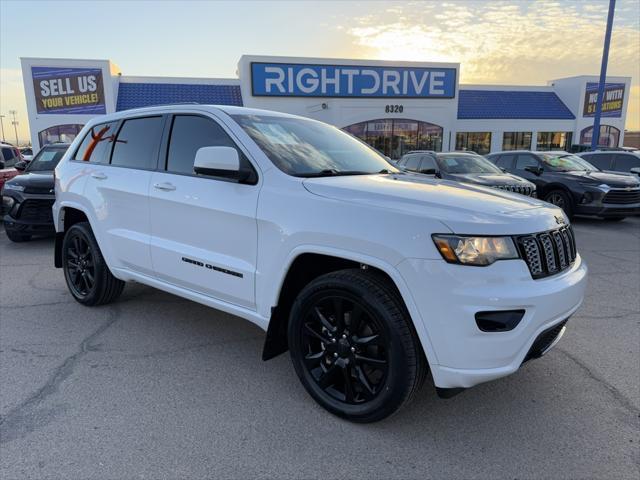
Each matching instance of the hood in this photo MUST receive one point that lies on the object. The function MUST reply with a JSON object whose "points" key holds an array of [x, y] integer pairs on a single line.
{"points": [[614, 180], [463, 208], [35, 182], [493, 179]]}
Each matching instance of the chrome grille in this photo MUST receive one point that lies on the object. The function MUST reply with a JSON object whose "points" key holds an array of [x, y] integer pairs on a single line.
{"points": [[548, 253]]}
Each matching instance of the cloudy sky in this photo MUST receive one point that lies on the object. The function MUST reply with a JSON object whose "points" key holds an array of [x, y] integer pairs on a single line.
{"points": [[496, 42]]}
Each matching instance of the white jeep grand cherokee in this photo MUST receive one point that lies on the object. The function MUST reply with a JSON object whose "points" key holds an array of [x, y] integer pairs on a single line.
{"points": [[369, 276]]}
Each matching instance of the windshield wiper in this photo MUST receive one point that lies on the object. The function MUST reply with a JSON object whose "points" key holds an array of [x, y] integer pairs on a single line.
{"points": [[331, 172]]}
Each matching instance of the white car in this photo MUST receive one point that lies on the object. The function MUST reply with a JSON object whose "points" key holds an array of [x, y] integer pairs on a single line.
{"points": [[369, 276]]}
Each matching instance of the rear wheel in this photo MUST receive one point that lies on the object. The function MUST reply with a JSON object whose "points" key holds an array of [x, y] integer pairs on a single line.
{"points": [[559, 198], [17, 237], [353, 346], [87, 275]]}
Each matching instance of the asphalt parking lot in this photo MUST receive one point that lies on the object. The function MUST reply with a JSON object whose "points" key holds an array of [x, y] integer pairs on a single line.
{"points": [[154, 386]]}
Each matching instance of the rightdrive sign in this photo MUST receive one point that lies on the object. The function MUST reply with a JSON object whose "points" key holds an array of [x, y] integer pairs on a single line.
{"points": [[309, 80]]}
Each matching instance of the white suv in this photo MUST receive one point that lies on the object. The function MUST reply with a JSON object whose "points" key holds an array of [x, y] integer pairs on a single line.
{"points": [[369, 276]]}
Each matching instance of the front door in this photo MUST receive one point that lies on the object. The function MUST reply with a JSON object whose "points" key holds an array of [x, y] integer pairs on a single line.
{"points": [[203, 229]]}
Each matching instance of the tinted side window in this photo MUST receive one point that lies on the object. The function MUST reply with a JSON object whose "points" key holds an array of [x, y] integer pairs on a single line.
{"points": [[428, 163], [188, 134], [626, 161], [9, 159], [526, 160], [97, 143], [137, 143], [413, 162], [505, 161], [600, 160]]}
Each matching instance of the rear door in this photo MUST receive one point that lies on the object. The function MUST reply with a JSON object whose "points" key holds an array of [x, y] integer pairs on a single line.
{"points": [[203, 229], [118, 187]]}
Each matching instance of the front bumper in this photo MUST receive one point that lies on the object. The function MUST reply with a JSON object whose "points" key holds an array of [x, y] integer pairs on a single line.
{"points": [[448, 297], [608, 209], [28, 227], [35, 220]]}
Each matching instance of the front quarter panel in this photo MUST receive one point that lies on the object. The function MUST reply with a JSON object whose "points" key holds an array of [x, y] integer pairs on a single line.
{"points": [[69, 187], [291, 219]]}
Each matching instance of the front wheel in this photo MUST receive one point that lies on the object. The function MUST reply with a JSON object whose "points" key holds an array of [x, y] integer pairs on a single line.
{"points": [[559, 198], [87, 275], [353, 346]]}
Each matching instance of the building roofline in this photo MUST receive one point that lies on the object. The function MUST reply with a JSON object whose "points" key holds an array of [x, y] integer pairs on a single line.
{"points": [[179, 80], [506, 88]]}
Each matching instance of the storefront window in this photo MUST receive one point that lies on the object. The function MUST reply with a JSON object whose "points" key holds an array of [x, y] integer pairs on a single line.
{"points": [[59, 133], [554, 141], [516, 141], [609, 136], [479, 142], [395, 137]]}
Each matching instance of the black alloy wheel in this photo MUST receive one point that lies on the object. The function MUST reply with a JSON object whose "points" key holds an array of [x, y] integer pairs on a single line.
{"points": [[346, 350], [87, 275], [353, 345], [80, 265], [560, 199]]}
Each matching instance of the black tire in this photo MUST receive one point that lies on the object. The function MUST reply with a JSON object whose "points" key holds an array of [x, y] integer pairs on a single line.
{"points": [[366, 374], [614, 219], [87, 275], [17, 237], [561, 199]]}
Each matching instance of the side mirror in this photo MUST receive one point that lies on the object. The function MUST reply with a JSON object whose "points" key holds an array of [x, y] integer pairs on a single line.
{"points": [[1, 164], [20, 166], [219, 162], [504, 170], [635, 170], [534, 169]]}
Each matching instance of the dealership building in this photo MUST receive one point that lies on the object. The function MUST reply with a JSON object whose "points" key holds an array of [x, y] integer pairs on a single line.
{"points": [[394, 106]]}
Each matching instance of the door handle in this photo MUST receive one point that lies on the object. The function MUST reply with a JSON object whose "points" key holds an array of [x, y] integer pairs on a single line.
{"points": [[99, 176], [166, 187]]}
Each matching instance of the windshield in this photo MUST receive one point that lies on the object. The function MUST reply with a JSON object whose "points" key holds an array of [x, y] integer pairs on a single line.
{"points": [[566, 163], [46, 159], [306, 148], [452, 163]]}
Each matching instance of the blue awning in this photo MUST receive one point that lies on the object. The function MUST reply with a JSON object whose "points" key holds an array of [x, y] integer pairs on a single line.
{"points": [[509, 104]]}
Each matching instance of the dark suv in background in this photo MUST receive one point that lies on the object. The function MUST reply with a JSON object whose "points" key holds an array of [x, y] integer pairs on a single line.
{"points": [[625, 162], [572, 183], [28, 198], [466, 167]]}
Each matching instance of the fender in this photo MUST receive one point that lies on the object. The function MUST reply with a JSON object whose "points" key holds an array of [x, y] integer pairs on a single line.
{"points": [[390, 270], [553, 186]]}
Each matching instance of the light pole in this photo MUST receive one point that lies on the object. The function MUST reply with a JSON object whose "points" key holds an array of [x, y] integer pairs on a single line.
{"points": [[14, 123], [2, 126], [595, 137]]}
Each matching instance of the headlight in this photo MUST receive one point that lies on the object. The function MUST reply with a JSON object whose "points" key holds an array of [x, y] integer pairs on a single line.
{"points": [[11, 186], [604, 188], [479, 251], [8, 202]]}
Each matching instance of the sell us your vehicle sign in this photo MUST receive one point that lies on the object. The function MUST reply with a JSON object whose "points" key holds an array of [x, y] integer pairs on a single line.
{"points": [[68, 90]]}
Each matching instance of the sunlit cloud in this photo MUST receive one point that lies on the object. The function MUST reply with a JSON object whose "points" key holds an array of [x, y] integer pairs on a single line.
{"points": [[506, 43]]}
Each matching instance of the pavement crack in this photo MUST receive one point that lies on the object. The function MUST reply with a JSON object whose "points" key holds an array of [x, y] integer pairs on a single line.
{"points": [[27, 417], [625, 402]]}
